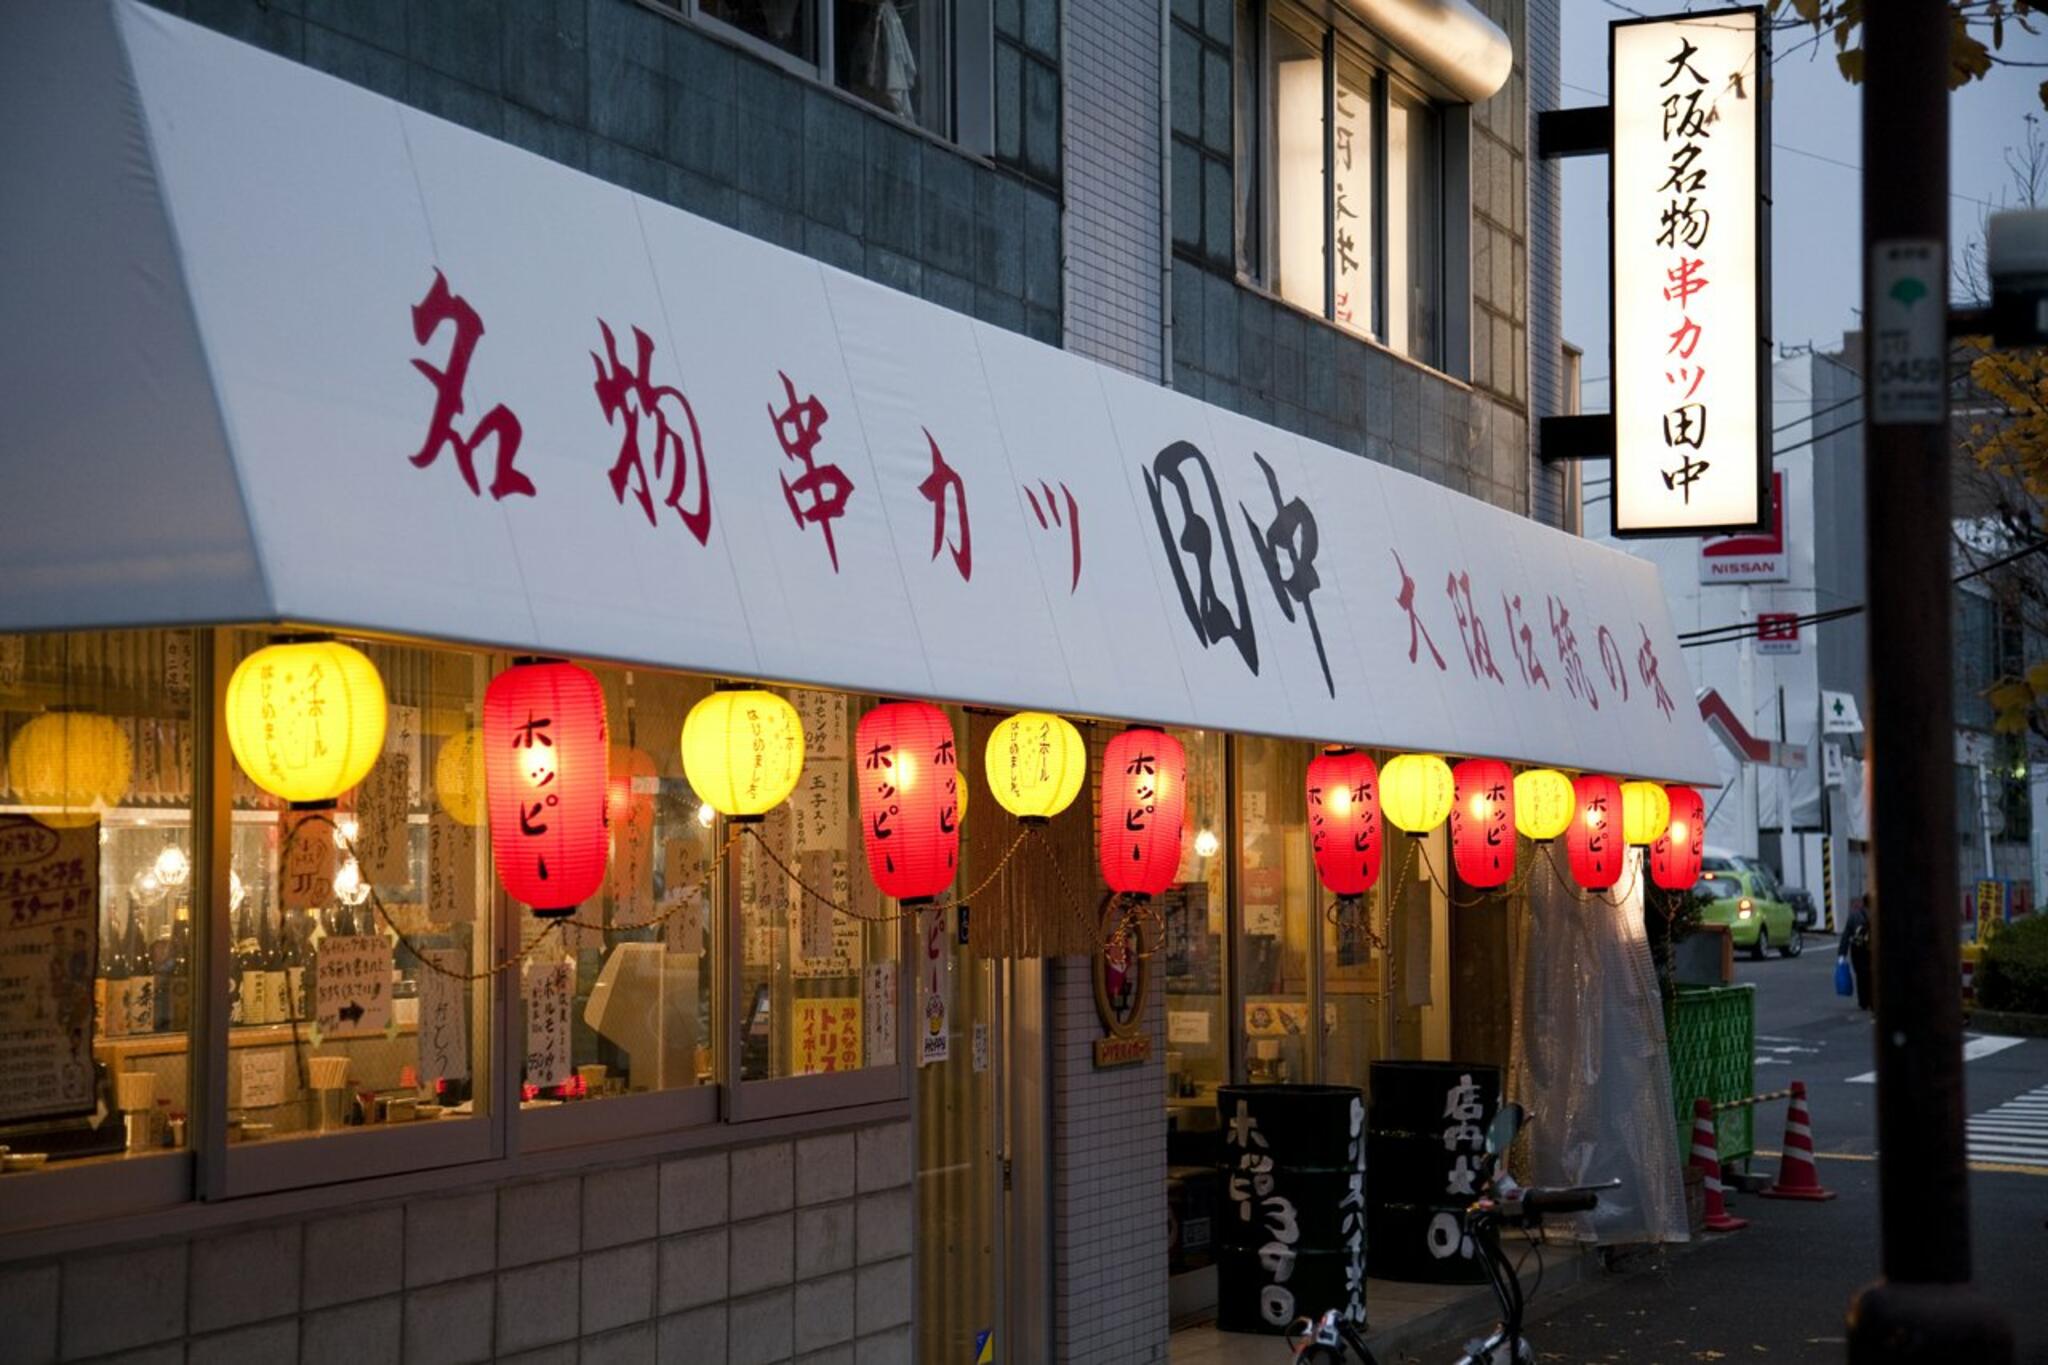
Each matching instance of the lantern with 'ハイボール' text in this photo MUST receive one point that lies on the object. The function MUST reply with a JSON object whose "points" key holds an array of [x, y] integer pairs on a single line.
{"points": [[1675, 854], [1544, 804], [908, 774], [459, 776], [1483, 822], [305, 719], [546, 771], [1036, 763], [1344, 820], [1416, 791], [1594, 844], [743, 751], [1645, 811], [1144, 800]]}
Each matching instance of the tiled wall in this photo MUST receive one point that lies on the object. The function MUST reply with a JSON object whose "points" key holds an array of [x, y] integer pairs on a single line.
{"points": [[1109, 1228], [1114, 245], [789, 1250], [1546, 245], [629, 94]]}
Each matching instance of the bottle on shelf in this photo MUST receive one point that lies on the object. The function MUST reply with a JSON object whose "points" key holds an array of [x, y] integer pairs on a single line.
{"points": [[141, 992], [115, 970], [161, 951], [298, 961], [179, 1011], [275, 981], [248, 970]]}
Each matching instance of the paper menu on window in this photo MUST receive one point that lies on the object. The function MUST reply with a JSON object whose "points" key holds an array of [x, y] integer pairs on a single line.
{"points": [[444, 1017], [451, 870], [383, 843], [262, 1077], [1187, 1026], [352, 985], [878, 1011], [818, 807], [824, 720], [49, 941], [550, 992], [309, 860], [827, 1035]]}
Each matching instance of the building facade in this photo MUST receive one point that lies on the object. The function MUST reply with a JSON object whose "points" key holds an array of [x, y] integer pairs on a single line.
{"points": [[783, 1117]]}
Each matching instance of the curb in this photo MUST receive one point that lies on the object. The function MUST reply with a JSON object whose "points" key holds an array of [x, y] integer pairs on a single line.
{"points": [[2006, 1023], [1460, 1320]]}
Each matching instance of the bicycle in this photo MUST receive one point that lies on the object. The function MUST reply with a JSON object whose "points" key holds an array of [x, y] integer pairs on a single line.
{"points": [[1325, 1340]]}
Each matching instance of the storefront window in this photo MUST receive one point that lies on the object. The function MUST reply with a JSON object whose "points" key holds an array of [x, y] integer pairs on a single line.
{"points": [[97, 955], [818, 963], [638, 957], [357, 935], [1278, 889], [1414, 227]]}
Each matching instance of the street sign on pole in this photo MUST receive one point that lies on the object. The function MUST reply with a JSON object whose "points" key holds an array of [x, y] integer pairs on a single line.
{"points": [[1838, 714]]}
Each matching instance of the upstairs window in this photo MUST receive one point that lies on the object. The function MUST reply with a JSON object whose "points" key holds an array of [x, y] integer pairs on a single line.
{"points": [[895, 54]]}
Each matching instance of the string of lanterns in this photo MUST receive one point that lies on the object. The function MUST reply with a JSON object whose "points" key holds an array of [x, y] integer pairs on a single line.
{"points": [[305, 719]]}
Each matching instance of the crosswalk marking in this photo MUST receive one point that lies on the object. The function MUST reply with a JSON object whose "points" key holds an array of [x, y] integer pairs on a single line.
{"points": [[1974, 1046], [2016, 1131]]}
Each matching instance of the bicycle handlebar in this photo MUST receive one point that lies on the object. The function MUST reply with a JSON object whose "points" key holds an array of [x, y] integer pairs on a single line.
{"points": [[1539, 1202]]}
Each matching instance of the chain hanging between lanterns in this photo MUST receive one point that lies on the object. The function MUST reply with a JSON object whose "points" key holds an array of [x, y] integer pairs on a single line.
{"points": [[902, 912]]}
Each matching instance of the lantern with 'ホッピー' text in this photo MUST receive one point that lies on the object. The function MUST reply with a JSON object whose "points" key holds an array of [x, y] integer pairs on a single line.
{"points": [[1144, 798], [1594, 844], [1675, 854], [1344, 820], [1483, 822], [908, 769], [546, 771]]}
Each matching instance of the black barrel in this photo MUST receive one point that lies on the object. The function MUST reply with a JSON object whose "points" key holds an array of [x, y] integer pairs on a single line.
{"points": [[1425, 1152], [1291, 1219]]}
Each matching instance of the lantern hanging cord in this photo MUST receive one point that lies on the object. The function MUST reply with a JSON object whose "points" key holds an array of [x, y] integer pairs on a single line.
{"points": [[1578, 894], [680, 903], [1513, 888], [1359, 911], [902, 912]]}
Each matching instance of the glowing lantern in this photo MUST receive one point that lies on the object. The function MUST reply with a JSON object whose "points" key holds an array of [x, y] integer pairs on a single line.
{"points": [[546, 761], [306, 719], [1594, 843], [459, 777], [743, 751], [1416, 792], [69, 767], [1544, 804], [909, 771], [1675, 855], [1036, 764], [1344, 820], [1483, 822], [1645, 812], [631, 783], [1144, 800]]}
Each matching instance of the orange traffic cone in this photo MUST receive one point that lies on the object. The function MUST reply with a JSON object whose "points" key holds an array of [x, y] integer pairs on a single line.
{"points": [[1797, 1178], [1706, 1156]]}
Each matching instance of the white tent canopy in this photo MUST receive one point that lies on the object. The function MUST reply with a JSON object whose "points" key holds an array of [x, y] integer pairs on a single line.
{"points": [[258, 319]]}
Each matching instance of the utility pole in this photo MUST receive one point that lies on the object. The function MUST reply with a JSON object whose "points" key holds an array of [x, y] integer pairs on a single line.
{"points": [[1924, 1308]]}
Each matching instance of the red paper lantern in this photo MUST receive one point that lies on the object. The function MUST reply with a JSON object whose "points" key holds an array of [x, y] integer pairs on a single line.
{"points": [[1144, 796], [1344, 820], [1675, 858], [545, 771], [909, 798], [1483, 822], [1594, 843]]}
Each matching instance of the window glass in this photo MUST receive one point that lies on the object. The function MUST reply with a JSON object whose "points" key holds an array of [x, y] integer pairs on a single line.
{"points": [[818, 963], [786, 24], [1194, 918], [1296, 74], [354, 933], [1250, 132], [97, 956], [1351, 226], [892, 53], [637, 958], [1275, 884], [1414, 227]]}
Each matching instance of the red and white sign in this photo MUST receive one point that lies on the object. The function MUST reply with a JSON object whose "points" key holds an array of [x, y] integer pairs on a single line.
{"points": [[1777, 632], [1750, 556]]}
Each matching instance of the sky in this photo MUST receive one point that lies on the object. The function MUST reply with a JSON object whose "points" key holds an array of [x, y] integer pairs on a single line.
{"points": [[1816, 184]]}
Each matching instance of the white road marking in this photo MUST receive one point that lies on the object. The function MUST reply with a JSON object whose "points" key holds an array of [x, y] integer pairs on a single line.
{"points": [[1974, 1047], [2016, 1131]]}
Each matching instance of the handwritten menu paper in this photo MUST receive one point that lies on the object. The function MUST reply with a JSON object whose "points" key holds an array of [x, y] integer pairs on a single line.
{"points": [[550, 991], [309, 860], [383, 843], [444, 1018], [878, 996], [683, 876], [827, 1035], [49, 944], [451, 870], [262, 1077], [823, 715], [352, 985]]}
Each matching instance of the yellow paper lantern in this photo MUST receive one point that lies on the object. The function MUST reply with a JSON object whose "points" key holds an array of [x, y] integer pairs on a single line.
{"points": [[306, 719], [1645, 812], [743, 751], [1036, 763], [1416, 791], [69, 767], [1544, 804], [459, 777]]}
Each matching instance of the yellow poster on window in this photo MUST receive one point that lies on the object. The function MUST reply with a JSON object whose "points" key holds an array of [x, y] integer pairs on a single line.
{"points": [[827, 1035]]}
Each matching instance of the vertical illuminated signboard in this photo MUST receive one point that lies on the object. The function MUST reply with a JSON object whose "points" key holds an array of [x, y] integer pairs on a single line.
{"points": [[1691, 359]]}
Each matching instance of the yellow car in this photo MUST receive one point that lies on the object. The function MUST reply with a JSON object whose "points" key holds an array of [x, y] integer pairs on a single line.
{"points": [[1755, 920]]}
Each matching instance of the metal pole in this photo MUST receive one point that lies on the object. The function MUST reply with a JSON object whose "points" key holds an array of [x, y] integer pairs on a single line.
{"points": [[1924, 1307], [1786, 859]]}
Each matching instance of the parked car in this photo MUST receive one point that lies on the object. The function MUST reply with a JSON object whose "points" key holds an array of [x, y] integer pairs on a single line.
{"points": [[1804, 914], [1757, 919]]}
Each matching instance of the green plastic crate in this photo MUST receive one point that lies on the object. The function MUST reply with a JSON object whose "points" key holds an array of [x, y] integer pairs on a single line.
{"points": [[1712, 1035]]}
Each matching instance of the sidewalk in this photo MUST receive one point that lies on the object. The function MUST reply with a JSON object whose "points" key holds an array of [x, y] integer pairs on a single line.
{"points": [[1403, 1317]]}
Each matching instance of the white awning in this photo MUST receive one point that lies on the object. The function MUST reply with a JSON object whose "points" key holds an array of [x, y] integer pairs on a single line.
{"points": [[236, 285]]}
